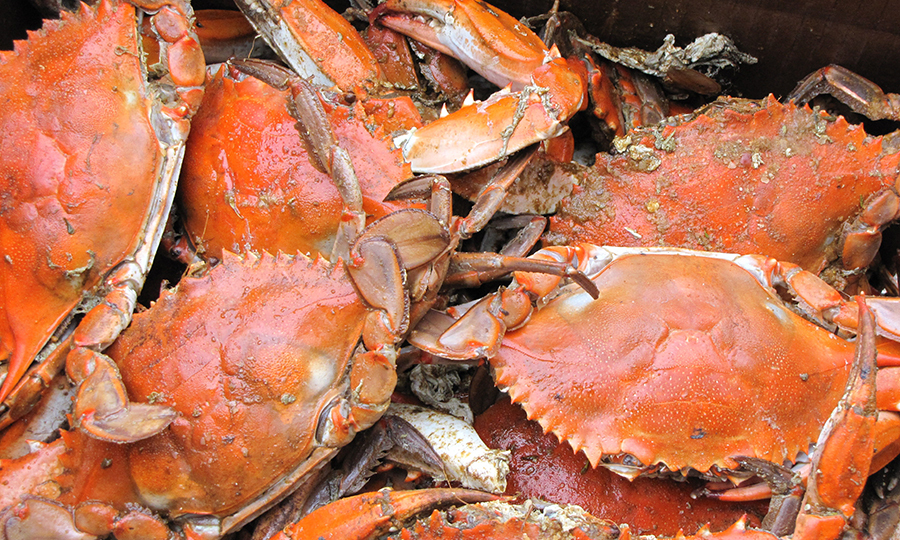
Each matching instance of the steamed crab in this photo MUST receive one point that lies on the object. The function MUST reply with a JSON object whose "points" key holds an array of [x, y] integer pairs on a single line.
{"points": [[86, 194], [745, 177], [623, 393], [245, 383], [827, 504], [710, 307], [259, 402], [250, 181]]}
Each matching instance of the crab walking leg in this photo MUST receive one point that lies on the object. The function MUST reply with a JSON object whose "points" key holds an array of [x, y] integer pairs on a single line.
{"points": [[844, 452], [367, 515], [486, 204], [28, 392], [488, 40], [855, 91], [316, 129]]}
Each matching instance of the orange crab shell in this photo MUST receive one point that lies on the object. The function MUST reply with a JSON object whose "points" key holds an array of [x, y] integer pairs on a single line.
{"points": [[236, 354], [28, 474], [542, 467], [81, 165], [742, 177], [683, 361], [248, 181]]}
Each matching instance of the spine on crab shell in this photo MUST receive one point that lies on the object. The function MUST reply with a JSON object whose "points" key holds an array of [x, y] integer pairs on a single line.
{"points": [[738, 531]]}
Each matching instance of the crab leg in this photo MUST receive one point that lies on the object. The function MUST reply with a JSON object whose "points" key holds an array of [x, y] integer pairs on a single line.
{"points": [[486, 204], [843, 454], [470, 32], [27, 393], [364, 516], [855, 91]]}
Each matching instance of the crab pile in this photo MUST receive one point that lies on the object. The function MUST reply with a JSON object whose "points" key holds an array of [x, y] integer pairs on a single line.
{"points": [[320, 346]]}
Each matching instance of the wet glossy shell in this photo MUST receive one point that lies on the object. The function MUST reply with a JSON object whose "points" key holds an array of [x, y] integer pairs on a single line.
{"points": [[743, 177], [543, 468], [79, 167], [249, 355], [683, 361], [247, 180]]}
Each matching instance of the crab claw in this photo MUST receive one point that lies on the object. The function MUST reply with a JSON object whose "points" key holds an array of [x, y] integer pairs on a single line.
{"points": [[370, 514], [102, 408], [490, 41], [315, 41], [542, 90]]}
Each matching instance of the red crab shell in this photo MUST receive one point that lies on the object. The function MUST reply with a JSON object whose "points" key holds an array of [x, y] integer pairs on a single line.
{"points": [[684, 361], [742, 177], [248, 181], [236, 353], [86, 181]]}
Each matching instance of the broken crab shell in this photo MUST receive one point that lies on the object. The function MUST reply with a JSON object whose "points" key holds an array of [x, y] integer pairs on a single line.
{"points": [[315, 41]]}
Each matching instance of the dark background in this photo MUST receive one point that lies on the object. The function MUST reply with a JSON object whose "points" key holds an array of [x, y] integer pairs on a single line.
{"points": [[791, 39]]}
